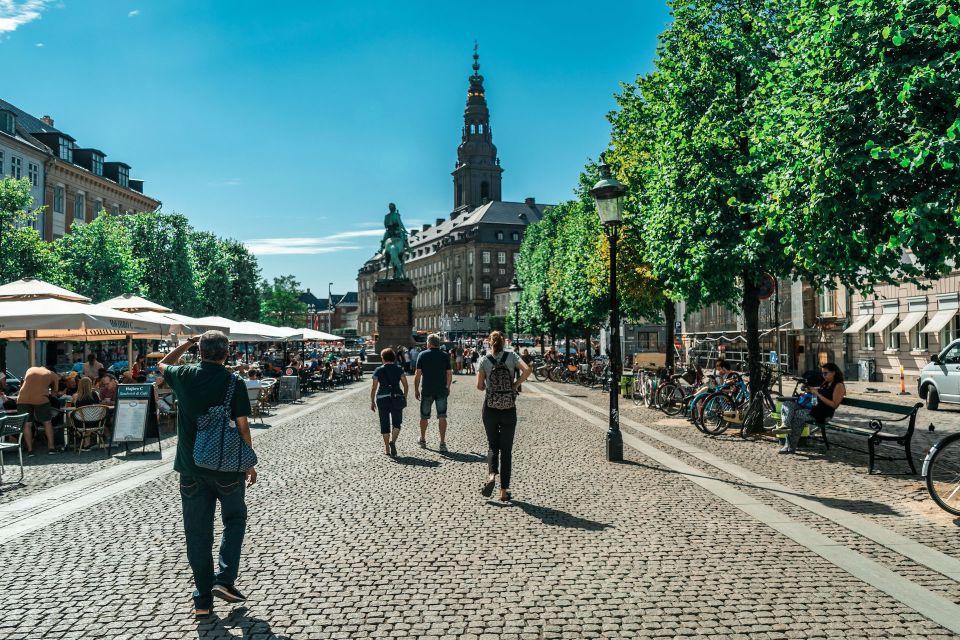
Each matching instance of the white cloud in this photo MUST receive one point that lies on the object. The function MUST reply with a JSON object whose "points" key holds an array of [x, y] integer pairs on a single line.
{"points": [[133, 13], [310, 246], [39, 44], [230, 182], [16, 13]]}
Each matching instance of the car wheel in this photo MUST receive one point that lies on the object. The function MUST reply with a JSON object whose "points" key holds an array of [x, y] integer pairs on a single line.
{"points": [[933, 398]]}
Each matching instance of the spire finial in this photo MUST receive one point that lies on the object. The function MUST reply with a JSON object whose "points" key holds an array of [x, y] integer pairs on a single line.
{"points": [[476, 59]]}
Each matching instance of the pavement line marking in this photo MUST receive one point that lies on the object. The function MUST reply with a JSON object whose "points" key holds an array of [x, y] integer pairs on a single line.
{"points": [[923, 601], [47, 506], [908, 547]]}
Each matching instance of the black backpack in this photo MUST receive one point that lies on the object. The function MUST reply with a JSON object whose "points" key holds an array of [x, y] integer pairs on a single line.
{"points": [[500, 393]]}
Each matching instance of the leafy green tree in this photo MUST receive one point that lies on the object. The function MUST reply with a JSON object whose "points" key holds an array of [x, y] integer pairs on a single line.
{"points": [[281, 306], [244, 281], [97, 259], [860, 123], [212, 267], [23, 254], [162, 242]]}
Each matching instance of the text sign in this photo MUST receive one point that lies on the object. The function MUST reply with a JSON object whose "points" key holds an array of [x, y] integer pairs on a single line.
{"points": [[131, 412]]}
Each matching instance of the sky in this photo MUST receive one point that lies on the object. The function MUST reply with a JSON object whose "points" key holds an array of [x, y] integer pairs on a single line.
{"points": [[291, 125]]}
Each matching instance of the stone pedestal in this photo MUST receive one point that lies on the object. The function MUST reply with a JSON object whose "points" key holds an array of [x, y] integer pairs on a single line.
{"points": [[394, 313]]}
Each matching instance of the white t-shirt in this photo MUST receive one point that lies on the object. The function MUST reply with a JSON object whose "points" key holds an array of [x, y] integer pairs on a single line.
{"points": [[510, 363]]}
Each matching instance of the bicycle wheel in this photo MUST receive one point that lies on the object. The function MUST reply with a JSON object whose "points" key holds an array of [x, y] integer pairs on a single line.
{"points": [[540, 373], [639, 390], [554, 374], [661, 392], [649, 391], [715, 409], [943, 474], [672, 401]]}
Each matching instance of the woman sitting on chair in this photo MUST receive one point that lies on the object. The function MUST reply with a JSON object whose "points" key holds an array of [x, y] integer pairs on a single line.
{"points": [[85, 396]]}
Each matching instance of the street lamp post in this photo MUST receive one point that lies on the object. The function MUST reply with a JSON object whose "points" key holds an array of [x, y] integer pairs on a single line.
{"points": [[311, 310], [329, 309], [608, 195], [515, 290]]}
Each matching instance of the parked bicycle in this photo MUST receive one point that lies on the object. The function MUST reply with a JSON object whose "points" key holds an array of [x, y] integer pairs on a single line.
{"points": [[941, 470]]}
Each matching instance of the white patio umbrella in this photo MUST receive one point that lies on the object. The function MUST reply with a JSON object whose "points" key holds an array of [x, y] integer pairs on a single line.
{"points": [[58, 319], [313, 334], [238, 331], [31, 289], [200, 325], [149, 311], [133, 304]]}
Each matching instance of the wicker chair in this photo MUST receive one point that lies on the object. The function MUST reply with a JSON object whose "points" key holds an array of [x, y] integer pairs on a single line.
{"points": [[90, 420]]}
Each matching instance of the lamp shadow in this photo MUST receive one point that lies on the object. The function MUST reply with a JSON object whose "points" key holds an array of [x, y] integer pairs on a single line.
{"points": [[239, 619], [554, 517]]}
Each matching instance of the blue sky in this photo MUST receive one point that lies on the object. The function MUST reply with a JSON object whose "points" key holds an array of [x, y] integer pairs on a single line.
{"points": [[297, 122]]}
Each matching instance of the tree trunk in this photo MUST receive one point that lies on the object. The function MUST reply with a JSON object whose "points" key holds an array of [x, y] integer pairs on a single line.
{"points": [[543, 345], [670, 317], [751, 317], [586, 344]]}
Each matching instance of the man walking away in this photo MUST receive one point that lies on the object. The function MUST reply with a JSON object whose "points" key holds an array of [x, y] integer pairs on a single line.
{"points": [[38, 384], [200, 387], [436, 375]]}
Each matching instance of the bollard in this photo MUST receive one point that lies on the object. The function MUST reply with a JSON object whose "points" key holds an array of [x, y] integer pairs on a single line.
{"points": [[903, 386]]}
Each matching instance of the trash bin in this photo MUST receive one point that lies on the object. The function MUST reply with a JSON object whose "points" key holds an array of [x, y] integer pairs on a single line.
{"points": [[626, 385], [867, 370]]}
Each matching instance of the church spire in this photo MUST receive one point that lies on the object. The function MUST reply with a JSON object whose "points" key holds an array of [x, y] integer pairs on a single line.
{"points": [[477, 176]]}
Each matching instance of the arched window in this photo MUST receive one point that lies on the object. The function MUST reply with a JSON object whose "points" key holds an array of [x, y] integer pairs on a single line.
{"points": [[459, 289]]}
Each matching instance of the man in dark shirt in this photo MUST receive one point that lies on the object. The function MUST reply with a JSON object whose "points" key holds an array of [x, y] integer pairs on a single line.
{"points": [[433, 370], [198, 387]]}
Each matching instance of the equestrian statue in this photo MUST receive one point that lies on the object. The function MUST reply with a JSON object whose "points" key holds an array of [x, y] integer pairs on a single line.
{"points": [[394, 244]]}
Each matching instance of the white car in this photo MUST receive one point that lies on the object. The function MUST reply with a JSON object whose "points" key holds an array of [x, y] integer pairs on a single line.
{"points": [[940, 380]]}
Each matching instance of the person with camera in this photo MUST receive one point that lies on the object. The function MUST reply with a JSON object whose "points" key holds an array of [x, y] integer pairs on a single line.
{"points": [[388, 396], [817, 404]]}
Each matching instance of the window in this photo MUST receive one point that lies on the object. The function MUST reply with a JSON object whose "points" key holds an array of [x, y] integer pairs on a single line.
{"points": [[97, 207], [499, 235], [891, 339], [8, 122], [918, 340], [59, 197], [952, 356], [16, 167], [66, 150], [486, 257], [123, 176], [472, 291], [501, 257], [486, 290], [33, 172], [868, 341], [502, 272], [515, 236], [950, 332], [459, 289], [648, 341], [825, 302], [96, 164], [516, 257], [116, 209], [79, 207], [470, 258]]}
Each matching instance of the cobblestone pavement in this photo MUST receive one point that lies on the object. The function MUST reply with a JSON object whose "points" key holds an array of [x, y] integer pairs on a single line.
{"points": [[343, 542]]}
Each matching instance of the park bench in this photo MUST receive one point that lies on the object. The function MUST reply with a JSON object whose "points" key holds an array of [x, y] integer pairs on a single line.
{"points": [[876, 432]]}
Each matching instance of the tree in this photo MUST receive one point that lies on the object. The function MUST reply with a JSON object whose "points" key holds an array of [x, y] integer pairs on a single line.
{"points": [[23, 254], [281, 306], [244, 281], [97, 260], [212, 270], [162, 242]]}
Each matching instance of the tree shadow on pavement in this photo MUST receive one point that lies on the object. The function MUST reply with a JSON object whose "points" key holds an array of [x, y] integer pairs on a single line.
{"points": [[554, 517], [843, 504], [238, 620], [416, 462], [463, 457]]}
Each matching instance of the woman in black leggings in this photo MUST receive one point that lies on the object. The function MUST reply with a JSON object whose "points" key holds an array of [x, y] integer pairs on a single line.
{"points": [[388, 395], [497, 378]]}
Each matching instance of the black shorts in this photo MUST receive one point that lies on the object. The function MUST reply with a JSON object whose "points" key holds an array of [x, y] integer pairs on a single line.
{"points": [[388, 414]]}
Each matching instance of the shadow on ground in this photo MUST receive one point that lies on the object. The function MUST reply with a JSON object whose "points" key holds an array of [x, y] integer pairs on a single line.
{"points": [[554, 517], [238, 620], [416, 462], [463, 457]]}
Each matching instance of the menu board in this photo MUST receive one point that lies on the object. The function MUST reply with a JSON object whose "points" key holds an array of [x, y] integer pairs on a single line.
{"points": [[289, 388], [132, 410]]}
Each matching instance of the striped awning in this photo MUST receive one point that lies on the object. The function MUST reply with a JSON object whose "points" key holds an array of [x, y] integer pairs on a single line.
{"points": [[862, 320], [887, 318]]}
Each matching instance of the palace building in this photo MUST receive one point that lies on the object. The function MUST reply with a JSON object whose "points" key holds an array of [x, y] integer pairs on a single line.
{"points": [[458, 262]]}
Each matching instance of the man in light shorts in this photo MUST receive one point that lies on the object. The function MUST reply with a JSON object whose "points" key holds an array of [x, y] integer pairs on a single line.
{"points": [[431, 385]]}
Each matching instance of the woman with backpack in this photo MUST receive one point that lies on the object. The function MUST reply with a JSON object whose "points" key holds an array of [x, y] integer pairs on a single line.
{"points": [[497, 378], [388, 395]]}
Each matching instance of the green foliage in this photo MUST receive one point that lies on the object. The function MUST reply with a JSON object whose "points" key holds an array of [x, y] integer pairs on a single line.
{"points": [[212, 272], [281, 305], [97, 259], [162, 242], [244, 281], [23, 254]]}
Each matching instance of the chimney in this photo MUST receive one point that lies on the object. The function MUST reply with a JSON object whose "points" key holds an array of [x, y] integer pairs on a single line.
{"points": [[136, 185], [453, 216], [426, 226], [47, 120], [530, 202], [439, 221], [414, 232]]}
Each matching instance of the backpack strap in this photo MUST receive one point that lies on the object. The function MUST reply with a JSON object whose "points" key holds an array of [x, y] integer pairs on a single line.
{"points": [[230, 388], [503, 359]]}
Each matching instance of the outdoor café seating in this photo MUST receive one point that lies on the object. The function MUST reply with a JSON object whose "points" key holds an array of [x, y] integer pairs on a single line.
{"points": [[89, 421], [11, 427]]}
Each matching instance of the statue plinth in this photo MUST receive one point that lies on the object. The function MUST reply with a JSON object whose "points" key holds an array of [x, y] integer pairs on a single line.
{"points": [[394, 313]]}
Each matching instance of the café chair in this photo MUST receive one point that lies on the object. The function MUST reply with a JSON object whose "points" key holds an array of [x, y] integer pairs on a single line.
{"points": [[90, 420], [12, 427]]}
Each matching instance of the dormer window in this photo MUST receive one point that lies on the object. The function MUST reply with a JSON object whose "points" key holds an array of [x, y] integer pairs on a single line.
{"points": [[123, 177], [96, 164], [66, 149], [8, 122]]}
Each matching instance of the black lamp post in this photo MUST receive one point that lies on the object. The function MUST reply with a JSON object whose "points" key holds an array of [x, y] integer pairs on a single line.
{"points": [[608, 194], [515, 290]]}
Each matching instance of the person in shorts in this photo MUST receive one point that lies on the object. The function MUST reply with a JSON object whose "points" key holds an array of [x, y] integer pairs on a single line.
{"points": [[389, 384], [39, 384], [431, 386]]}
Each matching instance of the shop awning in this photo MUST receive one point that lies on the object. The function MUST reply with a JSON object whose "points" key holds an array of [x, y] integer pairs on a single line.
{"points": [[939, 320], [861, 321], [912, 319], [887, 318]]}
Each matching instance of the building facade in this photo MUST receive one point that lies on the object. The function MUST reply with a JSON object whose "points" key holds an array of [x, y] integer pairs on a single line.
{"points": [[458, 262], [337, 314], [78, 182], [22, 156]]}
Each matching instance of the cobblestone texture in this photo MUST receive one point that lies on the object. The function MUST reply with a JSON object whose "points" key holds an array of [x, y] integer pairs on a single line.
{"points": [[345, 543]]}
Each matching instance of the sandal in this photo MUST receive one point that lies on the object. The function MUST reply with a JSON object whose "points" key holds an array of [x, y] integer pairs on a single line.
{"points": [[202, 614], [487, 489], [507, 497]]}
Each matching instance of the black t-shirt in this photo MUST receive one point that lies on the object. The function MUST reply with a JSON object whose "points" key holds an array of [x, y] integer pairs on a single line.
{"points": [[434, 364], [821, 412], [388, 375]]}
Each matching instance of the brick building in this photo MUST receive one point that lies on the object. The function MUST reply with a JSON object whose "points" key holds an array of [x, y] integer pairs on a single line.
{"points": [[335, 314], [458, 262], [78, 182]]}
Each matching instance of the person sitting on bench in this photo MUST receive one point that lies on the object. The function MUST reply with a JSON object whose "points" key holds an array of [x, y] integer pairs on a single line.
{"points": [[828, 398]]}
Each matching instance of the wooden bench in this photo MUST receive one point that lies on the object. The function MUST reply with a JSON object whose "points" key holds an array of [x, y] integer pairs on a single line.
{"points": [[874, 432]]}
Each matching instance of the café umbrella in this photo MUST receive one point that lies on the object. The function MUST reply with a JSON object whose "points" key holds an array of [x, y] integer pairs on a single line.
{"points": [[32, 289], [148, 310]]}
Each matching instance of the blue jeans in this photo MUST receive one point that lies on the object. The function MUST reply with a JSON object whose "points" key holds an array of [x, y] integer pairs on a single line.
{"points": [[427, 402], [199, 495]]}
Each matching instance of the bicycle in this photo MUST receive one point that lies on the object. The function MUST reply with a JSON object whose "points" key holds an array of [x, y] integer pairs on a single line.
{"points": [[941, 470]]}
